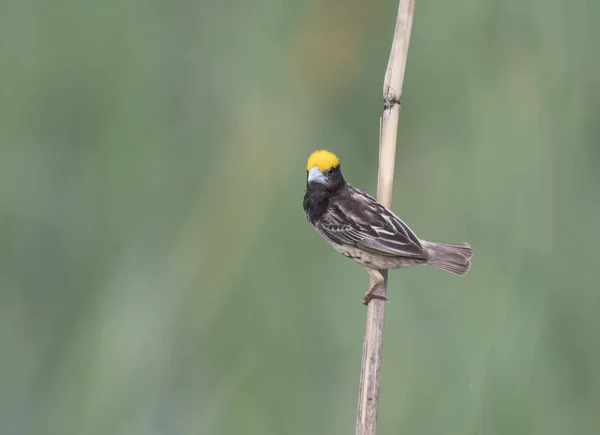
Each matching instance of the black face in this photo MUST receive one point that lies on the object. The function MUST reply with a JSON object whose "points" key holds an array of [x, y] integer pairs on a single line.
{"points": [[319, 192], [333, 180]]}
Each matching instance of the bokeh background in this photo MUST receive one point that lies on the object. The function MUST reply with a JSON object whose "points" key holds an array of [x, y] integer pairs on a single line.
{"points": [[158, 275]]}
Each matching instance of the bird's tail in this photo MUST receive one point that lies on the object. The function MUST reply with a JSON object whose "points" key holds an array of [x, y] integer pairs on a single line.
{"points": [[453, 257]]}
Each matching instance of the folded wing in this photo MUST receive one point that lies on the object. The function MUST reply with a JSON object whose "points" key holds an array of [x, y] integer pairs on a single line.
{"points": [[358, 219]]}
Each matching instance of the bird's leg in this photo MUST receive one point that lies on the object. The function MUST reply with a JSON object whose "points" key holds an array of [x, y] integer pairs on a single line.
{"points": [[371, 294]]}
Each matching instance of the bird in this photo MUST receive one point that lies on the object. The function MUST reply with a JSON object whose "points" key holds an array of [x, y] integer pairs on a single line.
{"points": [[365, 231]]}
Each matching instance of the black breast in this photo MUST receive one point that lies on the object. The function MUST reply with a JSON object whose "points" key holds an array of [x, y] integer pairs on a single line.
{"points": [[316, 202]]}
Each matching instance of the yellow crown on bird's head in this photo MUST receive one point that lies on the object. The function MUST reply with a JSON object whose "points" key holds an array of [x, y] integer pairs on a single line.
{"points": [[322, 159]]}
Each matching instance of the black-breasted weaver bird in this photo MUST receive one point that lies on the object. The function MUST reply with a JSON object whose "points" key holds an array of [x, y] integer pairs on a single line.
{"points": [[365, 231]]}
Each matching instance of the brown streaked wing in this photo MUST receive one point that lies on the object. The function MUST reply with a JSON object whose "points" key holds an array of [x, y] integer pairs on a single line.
{"points": [[356, 218]]}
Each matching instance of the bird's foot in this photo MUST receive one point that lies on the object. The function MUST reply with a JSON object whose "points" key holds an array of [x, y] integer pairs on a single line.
{"points": [[371, 294]]}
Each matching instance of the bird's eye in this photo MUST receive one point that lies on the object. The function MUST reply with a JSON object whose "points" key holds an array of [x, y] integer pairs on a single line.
{"points": [[329, 171]]}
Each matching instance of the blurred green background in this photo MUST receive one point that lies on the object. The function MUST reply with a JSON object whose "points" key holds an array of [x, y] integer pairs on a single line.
{"points": [[158, 275]]}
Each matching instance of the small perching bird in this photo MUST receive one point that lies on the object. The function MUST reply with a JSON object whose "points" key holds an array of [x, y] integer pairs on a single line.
{"points": [[365, 231]]}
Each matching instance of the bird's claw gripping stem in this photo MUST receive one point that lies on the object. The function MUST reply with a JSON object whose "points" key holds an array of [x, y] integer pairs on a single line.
{"points": [[371, 294]]}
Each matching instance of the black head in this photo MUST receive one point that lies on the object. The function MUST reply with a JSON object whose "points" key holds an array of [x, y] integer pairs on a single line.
{"points": [[323, 171], [323, 181]]}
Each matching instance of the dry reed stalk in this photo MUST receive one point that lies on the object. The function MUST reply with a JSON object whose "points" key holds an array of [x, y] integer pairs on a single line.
{"points": [[368, 399]]}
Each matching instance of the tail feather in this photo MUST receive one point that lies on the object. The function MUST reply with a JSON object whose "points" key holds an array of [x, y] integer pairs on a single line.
{"points": [[453, 257]]}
